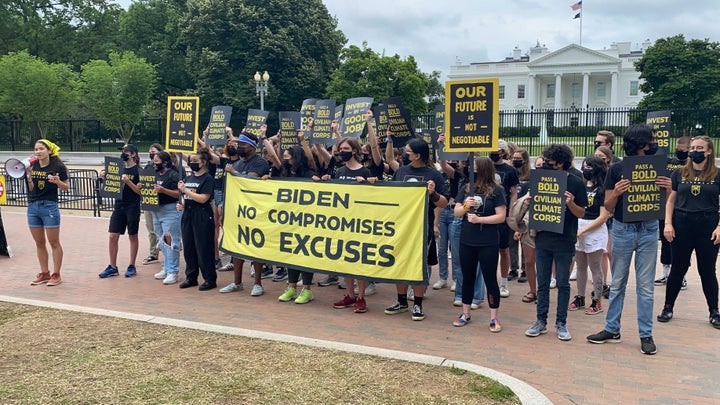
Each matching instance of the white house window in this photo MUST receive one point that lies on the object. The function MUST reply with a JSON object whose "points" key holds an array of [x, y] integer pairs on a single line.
{"points": [[521, 91], [600, 89], [575, 90], [501, 91], [550, 91], [634, 88]]}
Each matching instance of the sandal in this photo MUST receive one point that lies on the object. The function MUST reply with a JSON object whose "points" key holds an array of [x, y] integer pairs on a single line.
{"points": [[529, 297]]}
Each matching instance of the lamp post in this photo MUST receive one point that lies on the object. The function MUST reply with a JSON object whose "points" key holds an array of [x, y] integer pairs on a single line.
{"points": [[261, 87]]}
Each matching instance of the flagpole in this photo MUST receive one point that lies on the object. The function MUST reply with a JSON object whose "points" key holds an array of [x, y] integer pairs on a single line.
{"points": [[581, 18]]}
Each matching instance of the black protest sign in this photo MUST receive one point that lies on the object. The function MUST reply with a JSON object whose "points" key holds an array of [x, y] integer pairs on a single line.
{"points": [[428, 135], [644, 200], [255, 119], [472, 118], [440, 119], [659, 121], [219, 119], [398, 121], [182, 124], [112, 186], [353, 122], [307, 112], [547, 206], [322, 130], [149, 200], [289, 125], [339, 113]]}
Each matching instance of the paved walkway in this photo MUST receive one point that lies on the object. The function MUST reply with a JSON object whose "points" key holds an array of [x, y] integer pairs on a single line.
{"points": [[683, 371]]}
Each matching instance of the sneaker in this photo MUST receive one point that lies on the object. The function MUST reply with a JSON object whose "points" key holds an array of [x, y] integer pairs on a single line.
{"points": [[396, 309], [577, 303], [553, 283], [257, 290], [522, 278], [171, 278], [661, 281], [440, 284], [288, 295], [131, 271], [453, 286], [475, 306], [341, 284], [109, 272], [54, 280], [537, 329], [504, 291], [573, 274], [594, 308], [495, 326], [647, 345], [370, 289], [512, 275], [328, 280], [457, 303], [252, 270], [411, 294], [267, 272], [461, 320], [606, 291], [562, 332], [346, 302], [304, 297], [604, 336], [683, 286], [666, 315], [715, 319], [41, 278], [218, 264], [418, 314], [227, 267], [232, 287], [280, 275], [360, 306], [160, 275], [150, 260]]}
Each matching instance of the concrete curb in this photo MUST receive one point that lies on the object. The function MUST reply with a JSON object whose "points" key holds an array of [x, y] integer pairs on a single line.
{"points": [[526, 393]]}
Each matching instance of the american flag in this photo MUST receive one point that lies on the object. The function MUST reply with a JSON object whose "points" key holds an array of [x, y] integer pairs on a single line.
{"points": [[577, 6]]}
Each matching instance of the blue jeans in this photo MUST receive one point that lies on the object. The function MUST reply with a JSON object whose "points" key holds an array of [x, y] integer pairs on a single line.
{"points": [[543, 264], [641, 238], [166, 221], [479, 292], [446, 219]]}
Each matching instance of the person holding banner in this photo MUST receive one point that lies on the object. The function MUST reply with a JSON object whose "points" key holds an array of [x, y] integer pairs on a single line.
{"points": [[152, 236], [126, 213], [420, 168], [691, 223], [372, 158], [482, 209], [44, 178], [166, 220]]}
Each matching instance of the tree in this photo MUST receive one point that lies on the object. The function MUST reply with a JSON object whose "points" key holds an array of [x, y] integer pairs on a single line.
{"points": [[363, 72], [117, 92], [34, 90], [680, 74]]}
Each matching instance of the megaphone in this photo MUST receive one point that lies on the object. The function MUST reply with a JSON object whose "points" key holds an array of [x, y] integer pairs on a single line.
{"points": [[15, 168]]}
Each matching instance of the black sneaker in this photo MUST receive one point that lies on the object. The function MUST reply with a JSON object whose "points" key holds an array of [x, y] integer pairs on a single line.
{"points": [[396, 309], [328, 280], [647, 345], [715, 319], [512, 274], [666, 315], [683, 286], [267, 271], [604, 336], [522, 278], [577, 303], [661, 281], [280, 275], [218, 264], [606, 291], [418, 314]]}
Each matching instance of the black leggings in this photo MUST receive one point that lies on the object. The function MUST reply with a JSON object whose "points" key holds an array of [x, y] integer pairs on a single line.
{"points": [[198, 233], [294, 276], [487, 257], [692, 232]]}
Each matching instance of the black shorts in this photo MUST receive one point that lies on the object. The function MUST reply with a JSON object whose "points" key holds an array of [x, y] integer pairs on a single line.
{"points": [[504, 231], [124, 216]]}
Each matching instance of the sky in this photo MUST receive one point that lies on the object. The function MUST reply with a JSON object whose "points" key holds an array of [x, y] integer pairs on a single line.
{"points": [[440, 33]]}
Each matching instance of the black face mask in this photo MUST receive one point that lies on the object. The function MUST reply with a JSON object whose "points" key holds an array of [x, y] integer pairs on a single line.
{"points": [[454, 165], [125, 157], [159, 167], [345, 155], [547, 166], [653, 149], [286, 162], [231, 151], [518, 163], [495, 157], [152, 156], [697, 156], [681, 155], [242, 152], [587, 174], [194, 166], [405, 159], [597, 144]]}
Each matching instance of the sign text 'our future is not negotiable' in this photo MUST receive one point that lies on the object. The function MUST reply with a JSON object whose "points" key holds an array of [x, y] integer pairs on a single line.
{"points": [[182, 124], [471, 115]]}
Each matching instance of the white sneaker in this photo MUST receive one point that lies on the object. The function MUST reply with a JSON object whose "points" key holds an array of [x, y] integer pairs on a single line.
{"points": [[452, 287], [161, 275], [457, 303], [370, 289], [257, 290], [171, 278], [504, 292], [573, 275], [475, 306], [440, 284], [553, 283], [232, 287], [411, 294]]}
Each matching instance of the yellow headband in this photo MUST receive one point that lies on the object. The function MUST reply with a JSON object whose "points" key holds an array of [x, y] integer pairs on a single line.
{"points": [[54, 149]]}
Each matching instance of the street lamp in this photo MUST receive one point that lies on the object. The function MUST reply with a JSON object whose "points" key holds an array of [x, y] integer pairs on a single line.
{"points": [[261, 87]]}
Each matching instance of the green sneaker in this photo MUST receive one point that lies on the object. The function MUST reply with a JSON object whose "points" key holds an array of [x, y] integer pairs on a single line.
{"points": [[289, 295], [304, 297]]}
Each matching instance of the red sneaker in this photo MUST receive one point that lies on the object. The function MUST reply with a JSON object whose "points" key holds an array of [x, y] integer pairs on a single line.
{"points": [[360, 306], [346, 302], [41, 278], [54, 280]]}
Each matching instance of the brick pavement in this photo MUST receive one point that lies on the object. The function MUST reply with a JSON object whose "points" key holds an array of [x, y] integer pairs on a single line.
{"points": [[567, 372]]}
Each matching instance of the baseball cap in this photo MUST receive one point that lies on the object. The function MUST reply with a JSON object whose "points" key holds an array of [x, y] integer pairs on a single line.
{"points": [[502, 145], [130, 147]]}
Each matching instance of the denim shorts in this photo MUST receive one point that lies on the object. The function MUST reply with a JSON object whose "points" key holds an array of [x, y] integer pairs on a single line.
{"points": [[218, 198], [43, 214]]}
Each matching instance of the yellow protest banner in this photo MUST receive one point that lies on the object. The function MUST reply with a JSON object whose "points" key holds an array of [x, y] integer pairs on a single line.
{"points": [[3, 190], [362, 231]]}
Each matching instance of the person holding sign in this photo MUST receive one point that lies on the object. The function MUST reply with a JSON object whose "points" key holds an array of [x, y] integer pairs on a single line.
{"points": [[126, 213], [152, 236], [508, 178], [44, 178], [691, 223], [558, 247], [166, 220], [482, 211], [639, 237]]}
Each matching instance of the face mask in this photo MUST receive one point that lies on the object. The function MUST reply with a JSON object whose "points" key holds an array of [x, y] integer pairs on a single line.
{"points": [[286, 162], [495, 157], [653, 149], [597, 144], [152, 156], [588, 174], [454, 165], [125, 157], [405, 159], [697, 156], [547, 166], [681, 155], [194, 166], [518, 163], [345, 155], [159, 167], [232, 151], [241, 152]]}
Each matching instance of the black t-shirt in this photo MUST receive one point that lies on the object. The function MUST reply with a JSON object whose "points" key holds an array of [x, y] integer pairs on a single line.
{"points": [[613, 176], [128, 195], [674, 163], [482, 234], [43, 190], [572, 170], [565, 242], [423, 175], [523, 188], [695, 196], [375, 170], [220, 171], [256, 164], [508, 178], [203, 184], [595, 200], [347, 174], [169, 180]]}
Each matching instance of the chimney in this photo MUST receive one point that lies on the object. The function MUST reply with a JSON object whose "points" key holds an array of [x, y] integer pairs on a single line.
{"points": [[516, 53]]}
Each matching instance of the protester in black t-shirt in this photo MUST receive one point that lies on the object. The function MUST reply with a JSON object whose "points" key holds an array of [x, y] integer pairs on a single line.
{"points": [[149, 222], [691, 223], [166, 220], [126, 213], [507, 176]]}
